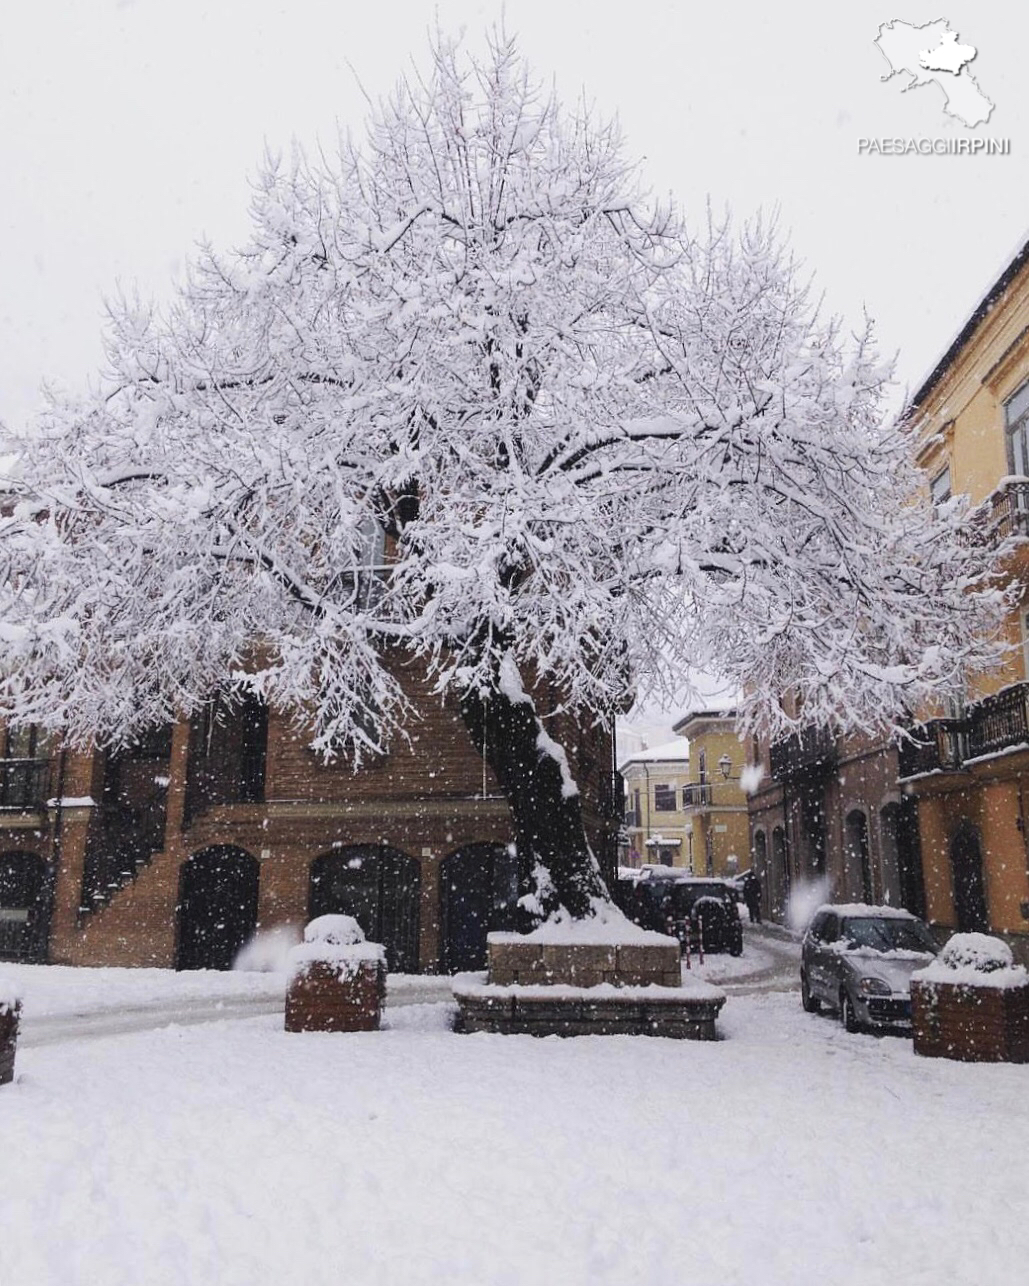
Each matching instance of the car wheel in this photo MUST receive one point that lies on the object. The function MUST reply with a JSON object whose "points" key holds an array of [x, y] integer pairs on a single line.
{"points": [[737, 946], [811, 1003], [847, 1016]]}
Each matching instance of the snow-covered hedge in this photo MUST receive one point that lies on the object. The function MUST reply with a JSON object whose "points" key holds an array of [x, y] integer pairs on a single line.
{"points": [[976, 960]]}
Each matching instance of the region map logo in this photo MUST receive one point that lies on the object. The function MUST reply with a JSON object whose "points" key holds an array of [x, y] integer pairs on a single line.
{"points": [[931, 54]]}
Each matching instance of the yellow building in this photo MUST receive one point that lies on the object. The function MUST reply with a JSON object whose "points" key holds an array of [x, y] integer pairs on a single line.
{"points": [[655, 820], [970, 774], [716, 825]]}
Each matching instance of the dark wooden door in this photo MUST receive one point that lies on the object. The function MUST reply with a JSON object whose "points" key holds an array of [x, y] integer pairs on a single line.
{"points": [[217, 911], [380, 887], [969, 886], [22, 907], [479, 894]]}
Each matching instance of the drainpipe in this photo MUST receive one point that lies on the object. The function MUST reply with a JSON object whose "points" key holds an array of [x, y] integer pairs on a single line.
{"points": [[646, 771], [54, 865]]}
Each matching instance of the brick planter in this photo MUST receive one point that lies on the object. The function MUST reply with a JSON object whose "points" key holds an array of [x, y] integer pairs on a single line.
{"points": [[10, 1014], [337, 980], [975, 1024], [328, 996]]}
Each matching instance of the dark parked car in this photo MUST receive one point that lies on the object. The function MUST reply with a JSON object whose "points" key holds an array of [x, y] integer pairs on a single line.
{"points": [[859, 960], [673, 902]]}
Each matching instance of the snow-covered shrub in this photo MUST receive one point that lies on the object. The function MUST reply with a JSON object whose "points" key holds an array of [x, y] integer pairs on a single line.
{"points": [[978, 951], [975, 960], [336, 940], [337, 930]]}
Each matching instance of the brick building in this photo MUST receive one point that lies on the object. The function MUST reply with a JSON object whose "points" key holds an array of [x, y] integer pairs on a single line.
{"points": [[829, 819], [173, 851]]}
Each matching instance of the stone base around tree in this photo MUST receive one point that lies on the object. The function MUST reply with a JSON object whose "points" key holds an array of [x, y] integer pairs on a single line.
{"points": [[522, 961], [546, 988]]}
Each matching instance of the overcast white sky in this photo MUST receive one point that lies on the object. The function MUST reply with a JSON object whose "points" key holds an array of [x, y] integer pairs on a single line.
{"points": [[128, 129]]}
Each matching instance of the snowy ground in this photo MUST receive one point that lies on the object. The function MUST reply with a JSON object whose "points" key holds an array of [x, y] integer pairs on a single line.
{"points": [[230, 1152]]}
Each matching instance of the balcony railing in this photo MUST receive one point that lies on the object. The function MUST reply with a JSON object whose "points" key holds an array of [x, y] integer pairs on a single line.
{"points": [[999, 722], [990, 726], [23, 784], [1002, 514], [936, 746], [697, 795], [1007, 512], [812, 750]]}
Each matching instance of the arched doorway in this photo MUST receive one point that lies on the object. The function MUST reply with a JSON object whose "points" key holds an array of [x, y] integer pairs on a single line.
{"points": [[966, 862], [478, 895], [781, 867], [857, 855], [759, 859], [22, 907], [217, 910], [898, 826], [380, 887]]}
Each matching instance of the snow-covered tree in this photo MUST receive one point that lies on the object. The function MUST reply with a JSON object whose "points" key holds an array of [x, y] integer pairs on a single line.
{"points": [[599, 448]]}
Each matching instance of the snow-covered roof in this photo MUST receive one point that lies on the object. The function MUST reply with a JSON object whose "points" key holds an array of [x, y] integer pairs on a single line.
{"points": [[671, 751], [711, 713], [1013, 265]]}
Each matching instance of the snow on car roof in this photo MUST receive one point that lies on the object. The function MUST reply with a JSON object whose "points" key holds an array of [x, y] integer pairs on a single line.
{"points": [[864, 909]]}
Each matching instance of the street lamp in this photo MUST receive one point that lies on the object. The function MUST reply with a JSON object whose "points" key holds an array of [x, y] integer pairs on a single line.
{"points": [[725, 764]]}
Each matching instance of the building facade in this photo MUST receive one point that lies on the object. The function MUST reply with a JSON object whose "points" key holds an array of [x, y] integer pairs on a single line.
{"points": [[713, 801], [656, 825], [829, 821], [937, 824], [968, 771], [174, 851]]}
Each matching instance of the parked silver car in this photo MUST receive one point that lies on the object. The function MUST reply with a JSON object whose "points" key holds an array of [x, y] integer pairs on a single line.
{"points": [[859, 960]]}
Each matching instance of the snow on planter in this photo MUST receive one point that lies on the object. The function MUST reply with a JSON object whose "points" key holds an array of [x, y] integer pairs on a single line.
{"points": [[10, 1013], [337, 980], [972, 1003]]}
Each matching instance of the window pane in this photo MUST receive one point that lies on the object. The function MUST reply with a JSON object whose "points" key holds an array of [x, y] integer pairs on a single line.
{"points": [[664, 799], [1017, 406]]}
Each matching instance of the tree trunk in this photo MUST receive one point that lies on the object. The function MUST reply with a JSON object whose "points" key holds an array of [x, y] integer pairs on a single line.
{"points": [[547, 820]]}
